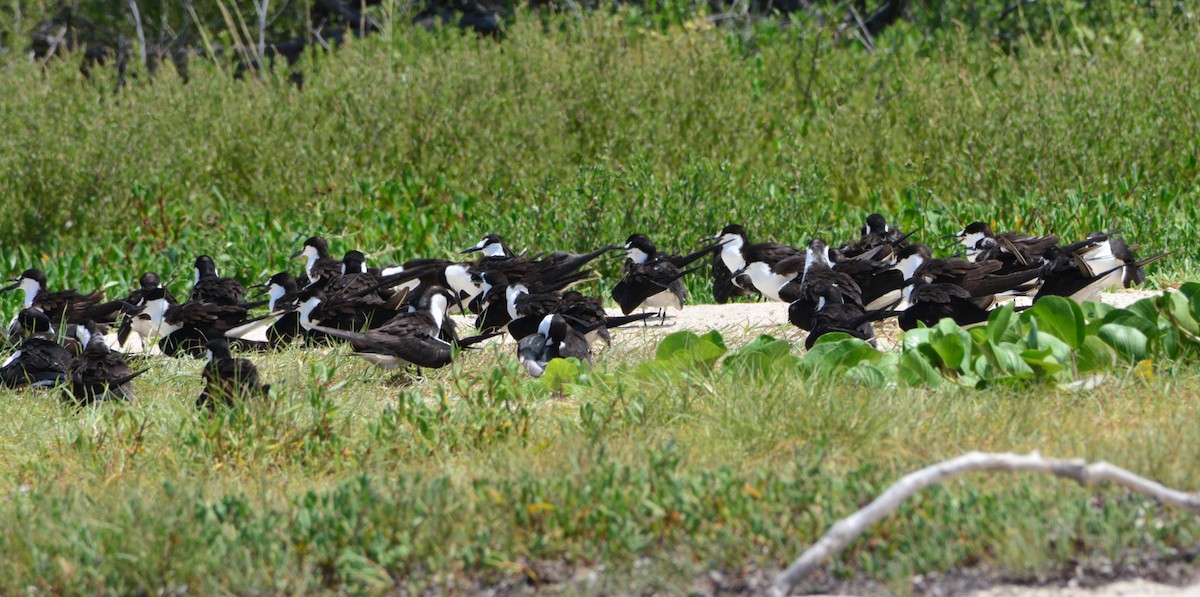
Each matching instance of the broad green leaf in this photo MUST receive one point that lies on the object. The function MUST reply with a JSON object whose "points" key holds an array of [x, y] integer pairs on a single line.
{"points": [[915, 371], [842, 355], [714, 337], [916, 337], [1061, 318], [1001, 324], [1006, 357], [761, 357], [867, 375], [1042, 362], [1128, 341], [559, 373], [953, 348], [1175, 306], [675, 343], [1094, 355], [1146, 308]]}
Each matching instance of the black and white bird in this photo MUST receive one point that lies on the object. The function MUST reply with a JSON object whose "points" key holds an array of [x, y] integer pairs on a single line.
{"points": [[319, 264], [228, 380], [62, 306], [39, 360], [281, 325], [929, 303], [492, 247], [137, 297], [98, 373], [554, 339], [816, 277], [586, 314], [209, 287], [986, 280], [422, 337], [653, 280], [876, 234], [503, 300], [1015, 249], [1073, 276], [833, 314], [183, 329], [739, 256]]}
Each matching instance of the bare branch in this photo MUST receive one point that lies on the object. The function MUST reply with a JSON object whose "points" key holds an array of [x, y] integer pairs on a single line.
{"points": [[841, 534]]}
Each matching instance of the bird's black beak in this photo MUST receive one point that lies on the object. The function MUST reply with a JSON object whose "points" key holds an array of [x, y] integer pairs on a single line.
{"points": [[471, 250], [297, 254], [710, 239], [260, 289], [15, 283], [955, 235]]}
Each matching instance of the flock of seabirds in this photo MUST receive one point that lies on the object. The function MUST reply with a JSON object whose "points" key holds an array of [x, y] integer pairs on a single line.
{"points": [[398, 316]]}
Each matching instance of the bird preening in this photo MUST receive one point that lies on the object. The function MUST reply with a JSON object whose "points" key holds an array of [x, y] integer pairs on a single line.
{"points": [[399, 316]]}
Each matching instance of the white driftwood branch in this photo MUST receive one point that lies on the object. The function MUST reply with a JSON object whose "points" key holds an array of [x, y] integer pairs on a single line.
{"points": [[846, 530]]}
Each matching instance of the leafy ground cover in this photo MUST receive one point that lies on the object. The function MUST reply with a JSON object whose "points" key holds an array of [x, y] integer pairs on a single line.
{"points": [[640, 475]]}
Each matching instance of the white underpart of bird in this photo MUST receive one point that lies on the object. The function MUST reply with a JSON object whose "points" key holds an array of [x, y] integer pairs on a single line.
{"points": [[438, 308], [731, 252], [663, 300], [636, 255], [1101, 259], [31, 288], [909, 265], [306, 309], [158, 325], [208, 356], [9, 360], [510, 298], [83, 335], [310, 254], [459, 279], [274, 293], [766, 281]]}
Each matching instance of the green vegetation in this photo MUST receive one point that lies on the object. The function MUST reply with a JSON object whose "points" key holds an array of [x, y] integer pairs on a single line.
{"points": [[347, 482], [646, 474], [571, 133]]}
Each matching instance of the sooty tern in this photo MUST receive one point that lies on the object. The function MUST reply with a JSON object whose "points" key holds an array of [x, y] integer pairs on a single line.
{"points": [[1012, 248], [98, 373], [929, 303], [554, 339], [184, 328], [418, 337], [832, 314], [39, 360], [211, 288], [281, 324], [737, 254], [651, 279], [68, 306], [228, 380], [319, 264]]}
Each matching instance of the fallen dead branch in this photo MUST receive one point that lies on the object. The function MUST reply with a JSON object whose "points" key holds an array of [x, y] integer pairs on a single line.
{"points": [[846, 530]]}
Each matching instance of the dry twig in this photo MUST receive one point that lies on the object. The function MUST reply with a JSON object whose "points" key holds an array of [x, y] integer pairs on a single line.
{"points": [[846, 530]]}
